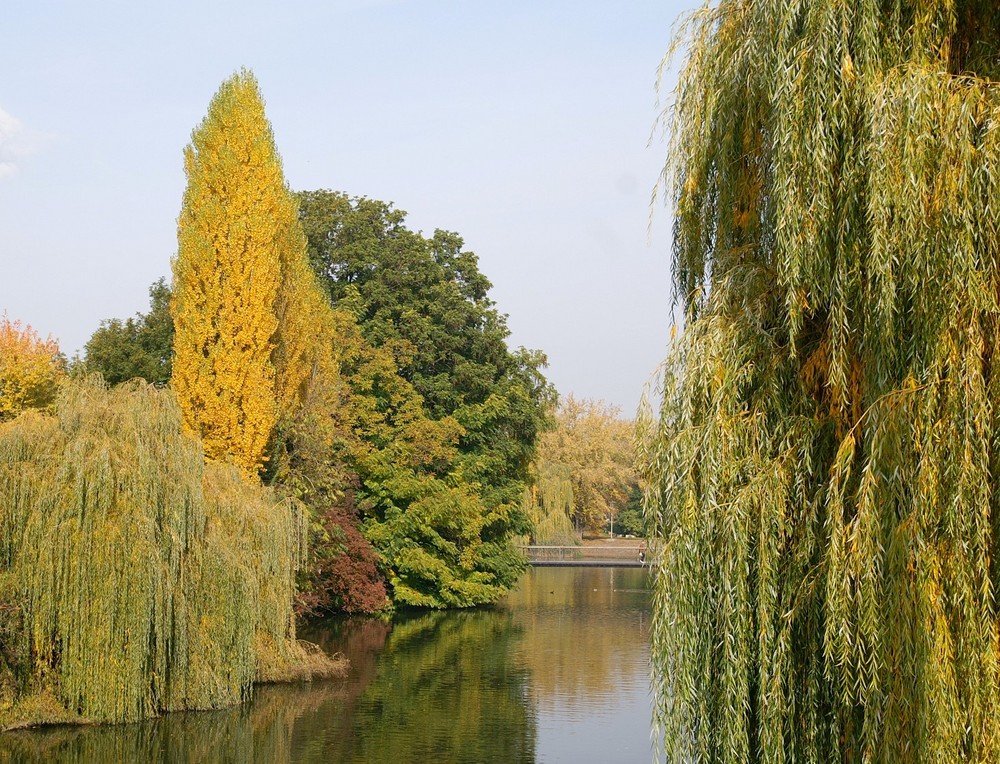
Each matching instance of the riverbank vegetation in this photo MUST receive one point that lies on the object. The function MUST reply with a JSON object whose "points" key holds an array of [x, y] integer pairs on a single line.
{"points": [[442, 416], [823, 473], [318, 414], [364, 371], [135, 578], [378, 388]]}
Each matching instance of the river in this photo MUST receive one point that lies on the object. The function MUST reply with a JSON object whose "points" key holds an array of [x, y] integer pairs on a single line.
{"points": [[558, 671]]}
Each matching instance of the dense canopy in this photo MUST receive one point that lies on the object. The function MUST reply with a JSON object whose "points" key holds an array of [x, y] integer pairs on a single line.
{"points": [[425, 299], [445, 416], [365, 446], [245, 304], [134, 578], [824, 470]]}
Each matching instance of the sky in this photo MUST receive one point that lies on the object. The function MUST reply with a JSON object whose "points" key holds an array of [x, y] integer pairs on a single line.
{"points": [[527, 126]]}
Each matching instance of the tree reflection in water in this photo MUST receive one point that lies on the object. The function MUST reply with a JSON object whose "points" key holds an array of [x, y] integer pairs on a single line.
{"points": [[585, 632], [556, 672], [261, 732], [438, 686], [447, 689]]}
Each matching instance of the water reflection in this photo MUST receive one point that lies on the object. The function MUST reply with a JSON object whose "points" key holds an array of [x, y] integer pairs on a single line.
{"points": [[557, 672], [586, 645], [446, 689], [584, 628], [258, 733]]}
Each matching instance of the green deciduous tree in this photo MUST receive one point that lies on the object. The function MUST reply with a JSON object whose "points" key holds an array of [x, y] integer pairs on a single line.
{"points": [[426, 300], [364, 434], [141, 347], [450, 416], [823, 473]]}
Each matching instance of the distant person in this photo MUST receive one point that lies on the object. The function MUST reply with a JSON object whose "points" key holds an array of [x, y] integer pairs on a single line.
{"points": [[642, 555]]}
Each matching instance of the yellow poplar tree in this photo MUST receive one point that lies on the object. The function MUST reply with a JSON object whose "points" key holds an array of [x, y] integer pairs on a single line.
{"points": [[244, 295]]}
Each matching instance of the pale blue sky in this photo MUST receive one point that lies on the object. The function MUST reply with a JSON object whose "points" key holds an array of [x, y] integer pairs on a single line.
{"points": [[522, 125]]}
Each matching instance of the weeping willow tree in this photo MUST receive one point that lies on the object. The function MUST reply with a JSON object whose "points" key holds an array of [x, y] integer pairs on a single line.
{"points": [[134, 578], [823, 473], [548, 503]]}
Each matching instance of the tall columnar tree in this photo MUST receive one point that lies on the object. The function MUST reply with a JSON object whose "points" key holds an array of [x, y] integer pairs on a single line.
{"points": [[824, 472], [244, 295]]}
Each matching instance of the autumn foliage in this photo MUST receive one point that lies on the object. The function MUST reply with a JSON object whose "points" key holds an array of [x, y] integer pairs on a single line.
{"points": [[342, 574], [244, 295], [585, 470], [30, 369], [134, 577]]}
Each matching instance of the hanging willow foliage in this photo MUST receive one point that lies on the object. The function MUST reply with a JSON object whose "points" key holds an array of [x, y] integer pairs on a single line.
{"points": [[824, 470], [548, 503], [144, 580]]}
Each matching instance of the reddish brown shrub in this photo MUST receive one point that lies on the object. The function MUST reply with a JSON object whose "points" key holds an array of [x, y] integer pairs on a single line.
{"points": [[342, 575]]}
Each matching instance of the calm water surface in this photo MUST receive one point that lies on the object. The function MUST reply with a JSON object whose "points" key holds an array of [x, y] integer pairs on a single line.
{"points": [[556, 672]]}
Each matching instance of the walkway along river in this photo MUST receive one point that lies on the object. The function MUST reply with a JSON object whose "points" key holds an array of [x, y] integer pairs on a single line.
{"points": [[556, 672], [597, 555]]}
